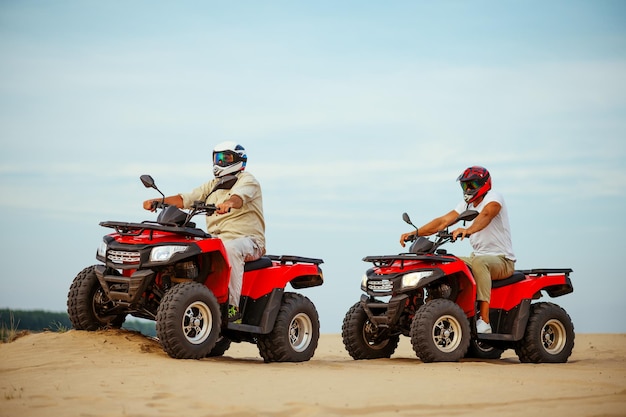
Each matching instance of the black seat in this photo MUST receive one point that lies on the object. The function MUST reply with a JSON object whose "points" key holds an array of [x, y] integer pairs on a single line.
{"points": [[262, 262], [516, 277]]}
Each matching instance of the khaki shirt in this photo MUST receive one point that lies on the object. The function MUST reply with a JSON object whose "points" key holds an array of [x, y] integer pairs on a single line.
{"points": [[247, 221]]}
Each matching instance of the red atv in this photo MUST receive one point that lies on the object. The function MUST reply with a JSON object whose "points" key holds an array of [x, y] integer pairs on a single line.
{"points": [[430, 296], [176, 274]]}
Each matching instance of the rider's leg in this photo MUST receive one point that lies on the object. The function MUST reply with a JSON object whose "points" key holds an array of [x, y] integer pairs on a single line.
{"points": [[486, 268], [240, 250]]}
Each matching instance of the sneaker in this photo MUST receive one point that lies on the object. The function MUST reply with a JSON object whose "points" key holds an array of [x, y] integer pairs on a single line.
{"points": [[482, 327], [234, 316]]}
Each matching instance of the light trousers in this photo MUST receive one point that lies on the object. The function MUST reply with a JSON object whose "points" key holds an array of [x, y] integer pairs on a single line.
{"points": [[240, 251], [486, 268]]}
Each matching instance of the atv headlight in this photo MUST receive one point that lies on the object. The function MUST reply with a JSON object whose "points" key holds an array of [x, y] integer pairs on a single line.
{"points": [[102, 249], [413, 279], [364, 283], [164, 253]]}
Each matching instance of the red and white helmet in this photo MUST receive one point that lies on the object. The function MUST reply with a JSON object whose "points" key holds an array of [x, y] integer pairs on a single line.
{"points": [[475, 182], [228, 158]]}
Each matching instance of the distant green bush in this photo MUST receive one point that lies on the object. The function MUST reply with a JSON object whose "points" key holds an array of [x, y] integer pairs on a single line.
{"points": [[15, 321]]}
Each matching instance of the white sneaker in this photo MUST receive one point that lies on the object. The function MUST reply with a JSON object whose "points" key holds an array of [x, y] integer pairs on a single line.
{"points": [[482, 327]]}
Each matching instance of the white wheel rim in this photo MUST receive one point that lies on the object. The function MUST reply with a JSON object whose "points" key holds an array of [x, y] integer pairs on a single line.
{"points": [[553, 337], [300, 332], [197, 322], [447, 333]]}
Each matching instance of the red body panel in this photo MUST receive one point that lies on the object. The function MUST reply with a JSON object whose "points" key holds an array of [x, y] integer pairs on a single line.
{"points": [[504, 298], [262, 281], [510, 296], [256, 283]]}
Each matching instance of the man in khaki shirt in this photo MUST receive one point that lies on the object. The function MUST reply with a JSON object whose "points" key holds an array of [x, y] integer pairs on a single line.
{"points": [[238, 220]]}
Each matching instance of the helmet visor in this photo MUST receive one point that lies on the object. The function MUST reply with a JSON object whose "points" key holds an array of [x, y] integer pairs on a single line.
{"points": [[223, 159], [472, 185]]}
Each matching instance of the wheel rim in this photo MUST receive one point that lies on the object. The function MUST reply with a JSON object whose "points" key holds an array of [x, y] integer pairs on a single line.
{"points": [[484, 347], [100, 306], [300, 332], [553, 337], [447, 333], [197, 322], [369, 331]]}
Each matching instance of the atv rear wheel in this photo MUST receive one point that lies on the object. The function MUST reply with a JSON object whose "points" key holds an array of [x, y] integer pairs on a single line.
{"points": [[358, 334], [188, 321], [296, 332], [440, 332], [87, 304], [549, 336]]}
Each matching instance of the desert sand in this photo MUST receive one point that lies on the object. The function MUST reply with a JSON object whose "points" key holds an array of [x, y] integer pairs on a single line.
{"points": [[123, 373]]}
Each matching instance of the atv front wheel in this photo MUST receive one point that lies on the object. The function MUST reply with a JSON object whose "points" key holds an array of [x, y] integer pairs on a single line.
{"points": [[295, 334], [188, 321], [359, 336], [88, 306], [440, 332], [549, 336], [222, 345], [481, 350]]}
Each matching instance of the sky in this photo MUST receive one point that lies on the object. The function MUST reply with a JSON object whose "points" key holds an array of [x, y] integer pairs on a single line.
{"points": [[351, 113]]}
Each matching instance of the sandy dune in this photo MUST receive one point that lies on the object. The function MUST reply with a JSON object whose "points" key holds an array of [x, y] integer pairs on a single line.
{"points": [[121, 373]]}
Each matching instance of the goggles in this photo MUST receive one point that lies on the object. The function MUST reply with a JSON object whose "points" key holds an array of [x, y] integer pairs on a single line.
{"points": [[223, 159], [471, 185]]}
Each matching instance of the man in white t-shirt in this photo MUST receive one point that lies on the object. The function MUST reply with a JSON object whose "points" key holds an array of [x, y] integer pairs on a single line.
{"points": [[238, 221], [489, 233]]}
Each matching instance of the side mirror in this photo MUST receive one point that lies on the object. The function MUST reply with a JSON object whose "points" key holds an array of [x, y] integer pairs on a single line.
{"points": [[148, 182], [406, 218], [467, 216]]}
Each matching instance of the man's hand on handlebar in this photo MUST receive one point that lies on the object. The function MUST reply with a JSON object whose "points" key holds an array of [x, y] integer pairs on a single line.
{"points": [[150, 205], [462, 232], [407, 237], [224, 207]]}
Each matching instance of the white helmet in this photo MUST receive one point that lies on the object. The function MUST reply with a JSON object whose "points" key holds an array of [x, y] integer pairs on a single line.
{"points": [[228, 157]]}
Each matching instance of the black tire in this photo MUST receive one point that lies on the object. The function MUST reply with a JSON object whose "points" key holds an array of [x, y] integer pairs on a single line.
{"points": [[188, 321], [549, 336], [358, 334], [222, 345], [440, 332], [481, 350], [88, 306], [295, 334]]}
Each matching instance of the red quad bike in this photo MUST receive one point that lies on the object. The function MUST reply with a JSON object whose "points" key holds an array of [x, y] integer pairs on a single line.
{"points": [[429, 295], [176, 274]]}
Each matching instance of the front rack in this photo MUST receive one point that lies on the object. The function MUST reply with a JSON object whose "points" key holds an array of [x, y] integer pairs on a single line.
{"points": [[136, 229], [388, 260]]}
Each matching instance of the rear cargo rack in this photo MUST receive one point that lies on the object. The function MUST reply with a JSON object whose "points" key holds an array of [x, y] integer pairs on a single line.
{"points": [[546, 271], [283, 259]]}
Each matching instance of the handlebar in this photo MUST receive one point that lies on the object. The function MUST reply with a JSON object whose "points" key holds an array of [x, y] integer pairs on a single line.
{"points": [[199, 207], [446, 235]]}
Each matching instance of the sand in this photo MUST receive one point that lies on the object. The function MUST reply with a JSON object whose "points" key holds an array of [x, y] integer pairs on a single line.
{"points": [[123, 373]]}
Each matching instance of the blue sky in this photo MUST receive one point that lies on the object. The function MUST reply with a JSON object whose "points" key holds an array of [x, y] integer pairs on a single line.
{"points": [[351, 113]]}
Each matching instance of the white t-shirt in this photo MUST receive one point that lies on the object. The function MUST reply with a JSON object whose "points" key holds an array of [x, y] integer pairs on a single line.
{"points": [[495, 239]]}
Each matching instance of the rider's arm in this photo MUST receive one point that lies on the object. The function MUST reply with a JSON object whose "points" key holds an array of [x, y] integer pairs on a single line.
{"points": [[481, 221], [234, 202], [433, 226], [173, 200]]}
